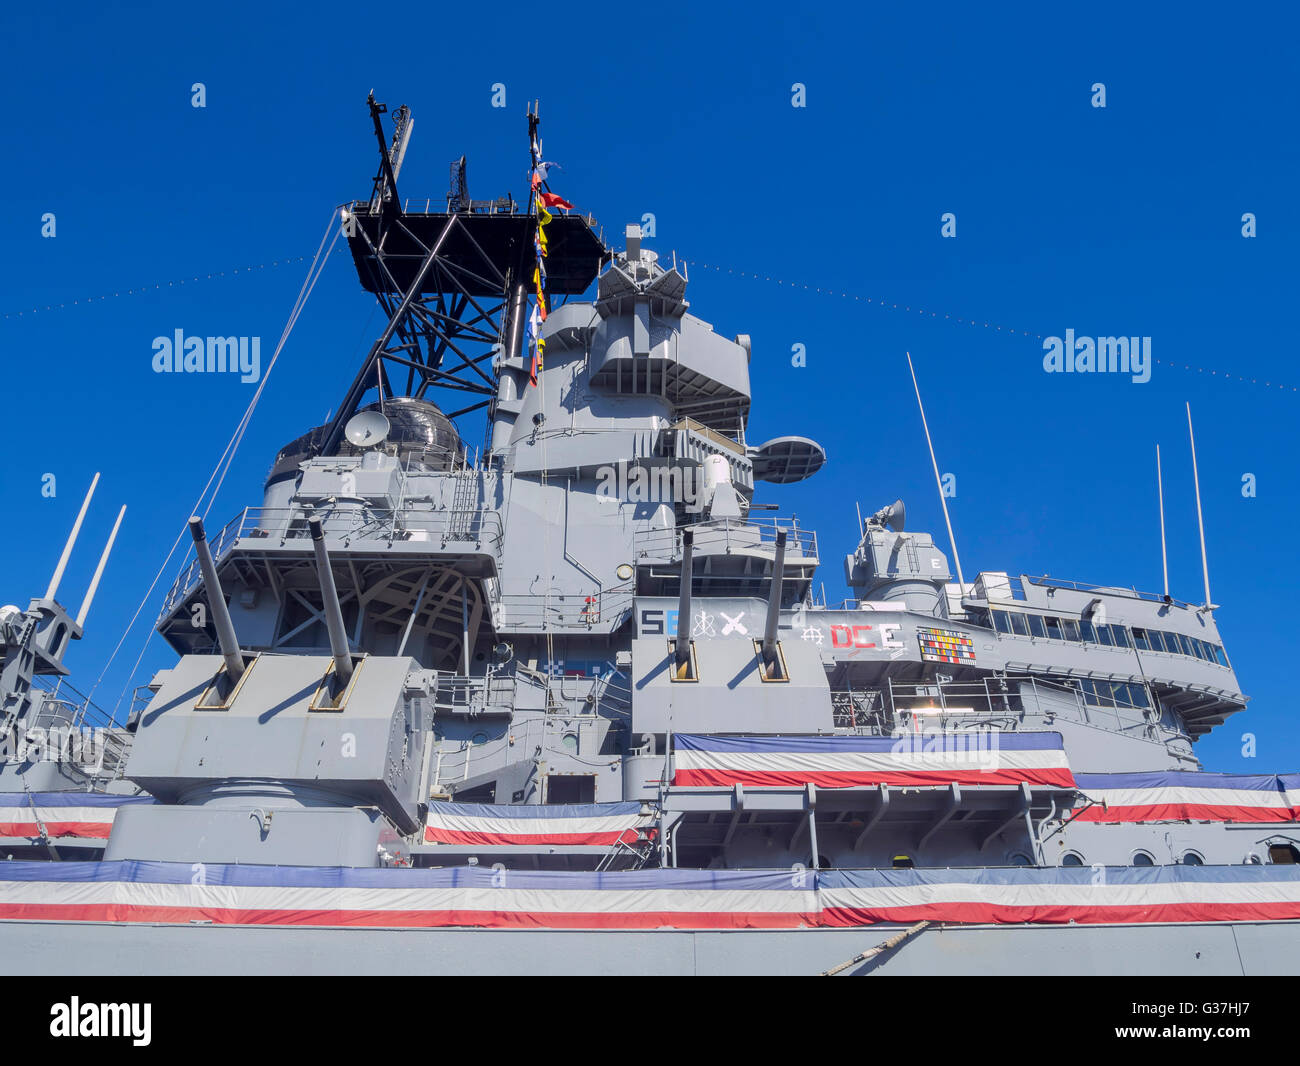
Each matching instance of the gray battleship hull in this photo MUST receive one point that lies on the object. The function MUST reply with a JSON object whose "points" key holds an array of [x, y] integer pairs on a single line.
{"points": [[1254, 949]]}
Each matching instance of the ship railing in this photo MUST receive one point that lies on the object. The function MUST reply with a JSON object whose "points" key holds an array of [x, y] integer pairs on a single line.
{"points": [[1131, 592], [719, 441], [960, 704], [966, 703], [606, 608], [349, 523], [78, 732], [85, 714], [469, 758], [718, 535], [614, 694], [459, 694], [504, 205]]}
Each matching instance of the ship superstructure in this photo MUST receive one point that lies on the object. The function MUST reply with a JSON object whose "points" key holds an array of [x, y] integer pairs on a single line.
{"points": [[581, 648]]}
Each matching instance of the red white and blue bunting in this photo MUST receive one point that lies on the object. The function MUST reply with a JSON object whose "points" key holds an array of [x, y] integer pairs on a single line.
{"points": [[643, 899], [973, 758], [86, 815], [569, 823], [1187, 795]]}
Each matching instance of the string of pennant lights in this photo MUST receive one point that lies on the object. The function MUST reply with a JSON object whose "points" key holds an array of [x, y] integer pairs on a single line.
{"points": [[541, 200], [977, 323], [137, 290]]}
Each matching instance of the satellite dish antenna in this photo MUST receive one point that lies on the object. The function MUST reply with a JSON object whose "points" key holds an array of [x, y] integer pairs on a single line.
{"points": [[369, 429], [892, 516]]}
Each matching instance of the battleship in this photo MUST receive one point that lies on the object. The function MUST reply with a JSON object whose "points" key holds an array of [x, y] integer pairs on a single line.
{"points": [[567, 699]]}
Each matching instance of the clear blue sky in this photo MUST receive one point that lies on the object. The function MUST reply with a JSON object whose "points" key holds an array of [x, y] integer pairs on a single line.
{"points": [[1125, 220]]}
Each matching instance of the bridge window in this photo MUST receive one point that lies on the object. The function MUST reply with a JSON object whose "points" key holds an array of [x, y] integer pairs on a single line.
{"points": [[1120, 635], [1088, 632], [1019, 626], [486, 793], [1002, 621], [1036, 626], [1104, 637], [1112, 693], [1070, 628], [1053, 627], [1140, 639], [1219, 657], [570, 788]]}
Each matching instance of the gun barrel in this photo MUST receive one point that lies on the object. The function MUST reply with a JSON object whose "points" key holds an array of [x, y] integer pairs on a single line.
{"points": [[230, 650], [683, 646], [333, 611], [774, 600]]}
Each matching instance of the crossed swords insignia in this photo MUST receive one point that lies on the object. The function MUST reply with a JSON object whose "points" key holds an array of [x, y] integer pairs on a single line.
{"points": [[733, 624]]}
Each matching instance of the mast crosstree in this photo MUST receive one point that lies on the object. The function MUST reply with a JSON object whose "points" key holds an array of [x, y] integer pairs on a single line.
{"points": [[451, 281]]}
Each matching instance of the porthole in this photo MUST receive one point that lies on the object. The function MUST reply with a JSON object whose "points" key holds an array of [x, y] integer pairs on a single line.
{"points": [[478, 739], [1019, 859], [1071, 858], [1191, 858], [624, 571], [570, 743], [1141, 858]]}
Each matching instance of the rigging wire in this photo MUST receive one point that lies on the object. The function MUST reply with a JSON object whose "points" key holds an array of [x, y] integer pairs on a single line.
{"points": [[227, 458]]}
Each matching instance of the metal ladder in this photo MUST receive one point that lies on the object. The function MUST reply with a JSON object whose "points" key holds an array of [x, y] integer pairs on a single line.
{"points": [[640, 854], [462, 521]]}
